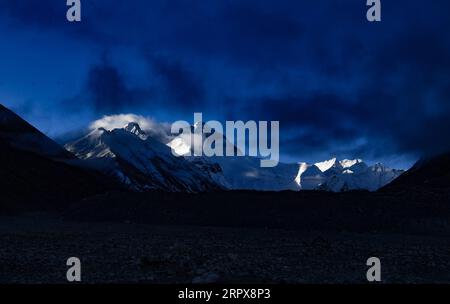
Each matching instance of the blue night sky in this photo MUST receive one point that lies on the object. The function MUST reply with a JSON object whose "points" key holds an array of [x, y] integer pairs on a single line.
{"points": [[338, 84]]}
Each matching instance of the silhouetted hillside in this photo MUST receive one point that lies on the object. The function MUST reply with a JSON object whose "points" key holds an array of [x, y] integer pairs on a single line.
{"points": [[431, 174], [30, 182]]}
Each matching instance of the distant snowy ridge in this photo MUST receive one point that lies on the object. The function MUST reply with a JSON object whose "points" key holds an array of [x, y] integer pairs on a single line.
{"points": [[141, 157], [345, 175], [330, 175]]}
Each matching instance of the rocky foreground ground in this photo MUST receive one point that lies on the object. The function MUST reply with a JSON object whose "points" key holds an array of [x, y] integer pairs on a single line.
{"points": [[35, 250]]}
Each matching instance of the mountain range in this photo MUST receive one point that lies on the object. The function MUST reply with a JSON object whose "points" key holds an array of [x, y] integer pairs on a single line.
{"points": [[141, 161], [345, 175], [137, 160]]}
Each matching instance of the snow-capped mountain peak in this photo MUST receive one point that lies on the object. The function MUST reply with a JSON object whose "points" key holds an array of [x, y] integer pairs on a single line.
{"points": [[309, 177], [347, 163], [181, 145], [140, 161], [133, 127], [302, 168], [328, 164], [186, 144]]}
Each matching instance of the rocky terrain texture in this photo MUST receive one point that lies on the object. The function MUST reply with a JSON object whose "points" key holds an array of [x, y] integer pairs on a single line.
{"points": [[35, 251]]}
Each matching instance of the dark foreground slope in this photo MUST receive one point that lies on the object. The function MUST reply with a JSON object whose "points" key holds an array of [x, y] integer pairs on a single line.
{"points": [[33, 183], [429, 175], [34, 172], [19, 134]]}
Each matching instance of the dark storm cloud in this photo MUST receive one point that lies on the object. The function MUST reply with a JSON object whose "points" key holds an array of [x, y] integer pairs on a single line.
{"points": [[311, 124], [408, 99], [401, 105], [106, 92], [44, 13], [51, 15], [180, 85], [243, 31], [335, 81], [109, 91], [312, 112]]}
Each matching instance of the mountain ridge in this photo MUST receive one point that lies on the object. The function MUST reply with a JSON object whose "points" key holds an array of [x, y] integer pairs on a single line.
{"points": [[140, 161], [132, 156], [22, 135], [245, 173]]}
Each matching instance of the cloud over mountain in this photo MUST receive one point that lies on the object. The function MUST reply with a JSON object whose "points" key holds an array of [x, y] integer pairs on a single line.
{"points": [[336, 82]]}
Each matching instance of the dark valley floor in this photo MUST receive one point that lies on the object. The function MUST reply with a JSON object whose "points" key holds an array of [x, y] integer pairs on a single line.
{"points": [[233, 237], [35, 251]]}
